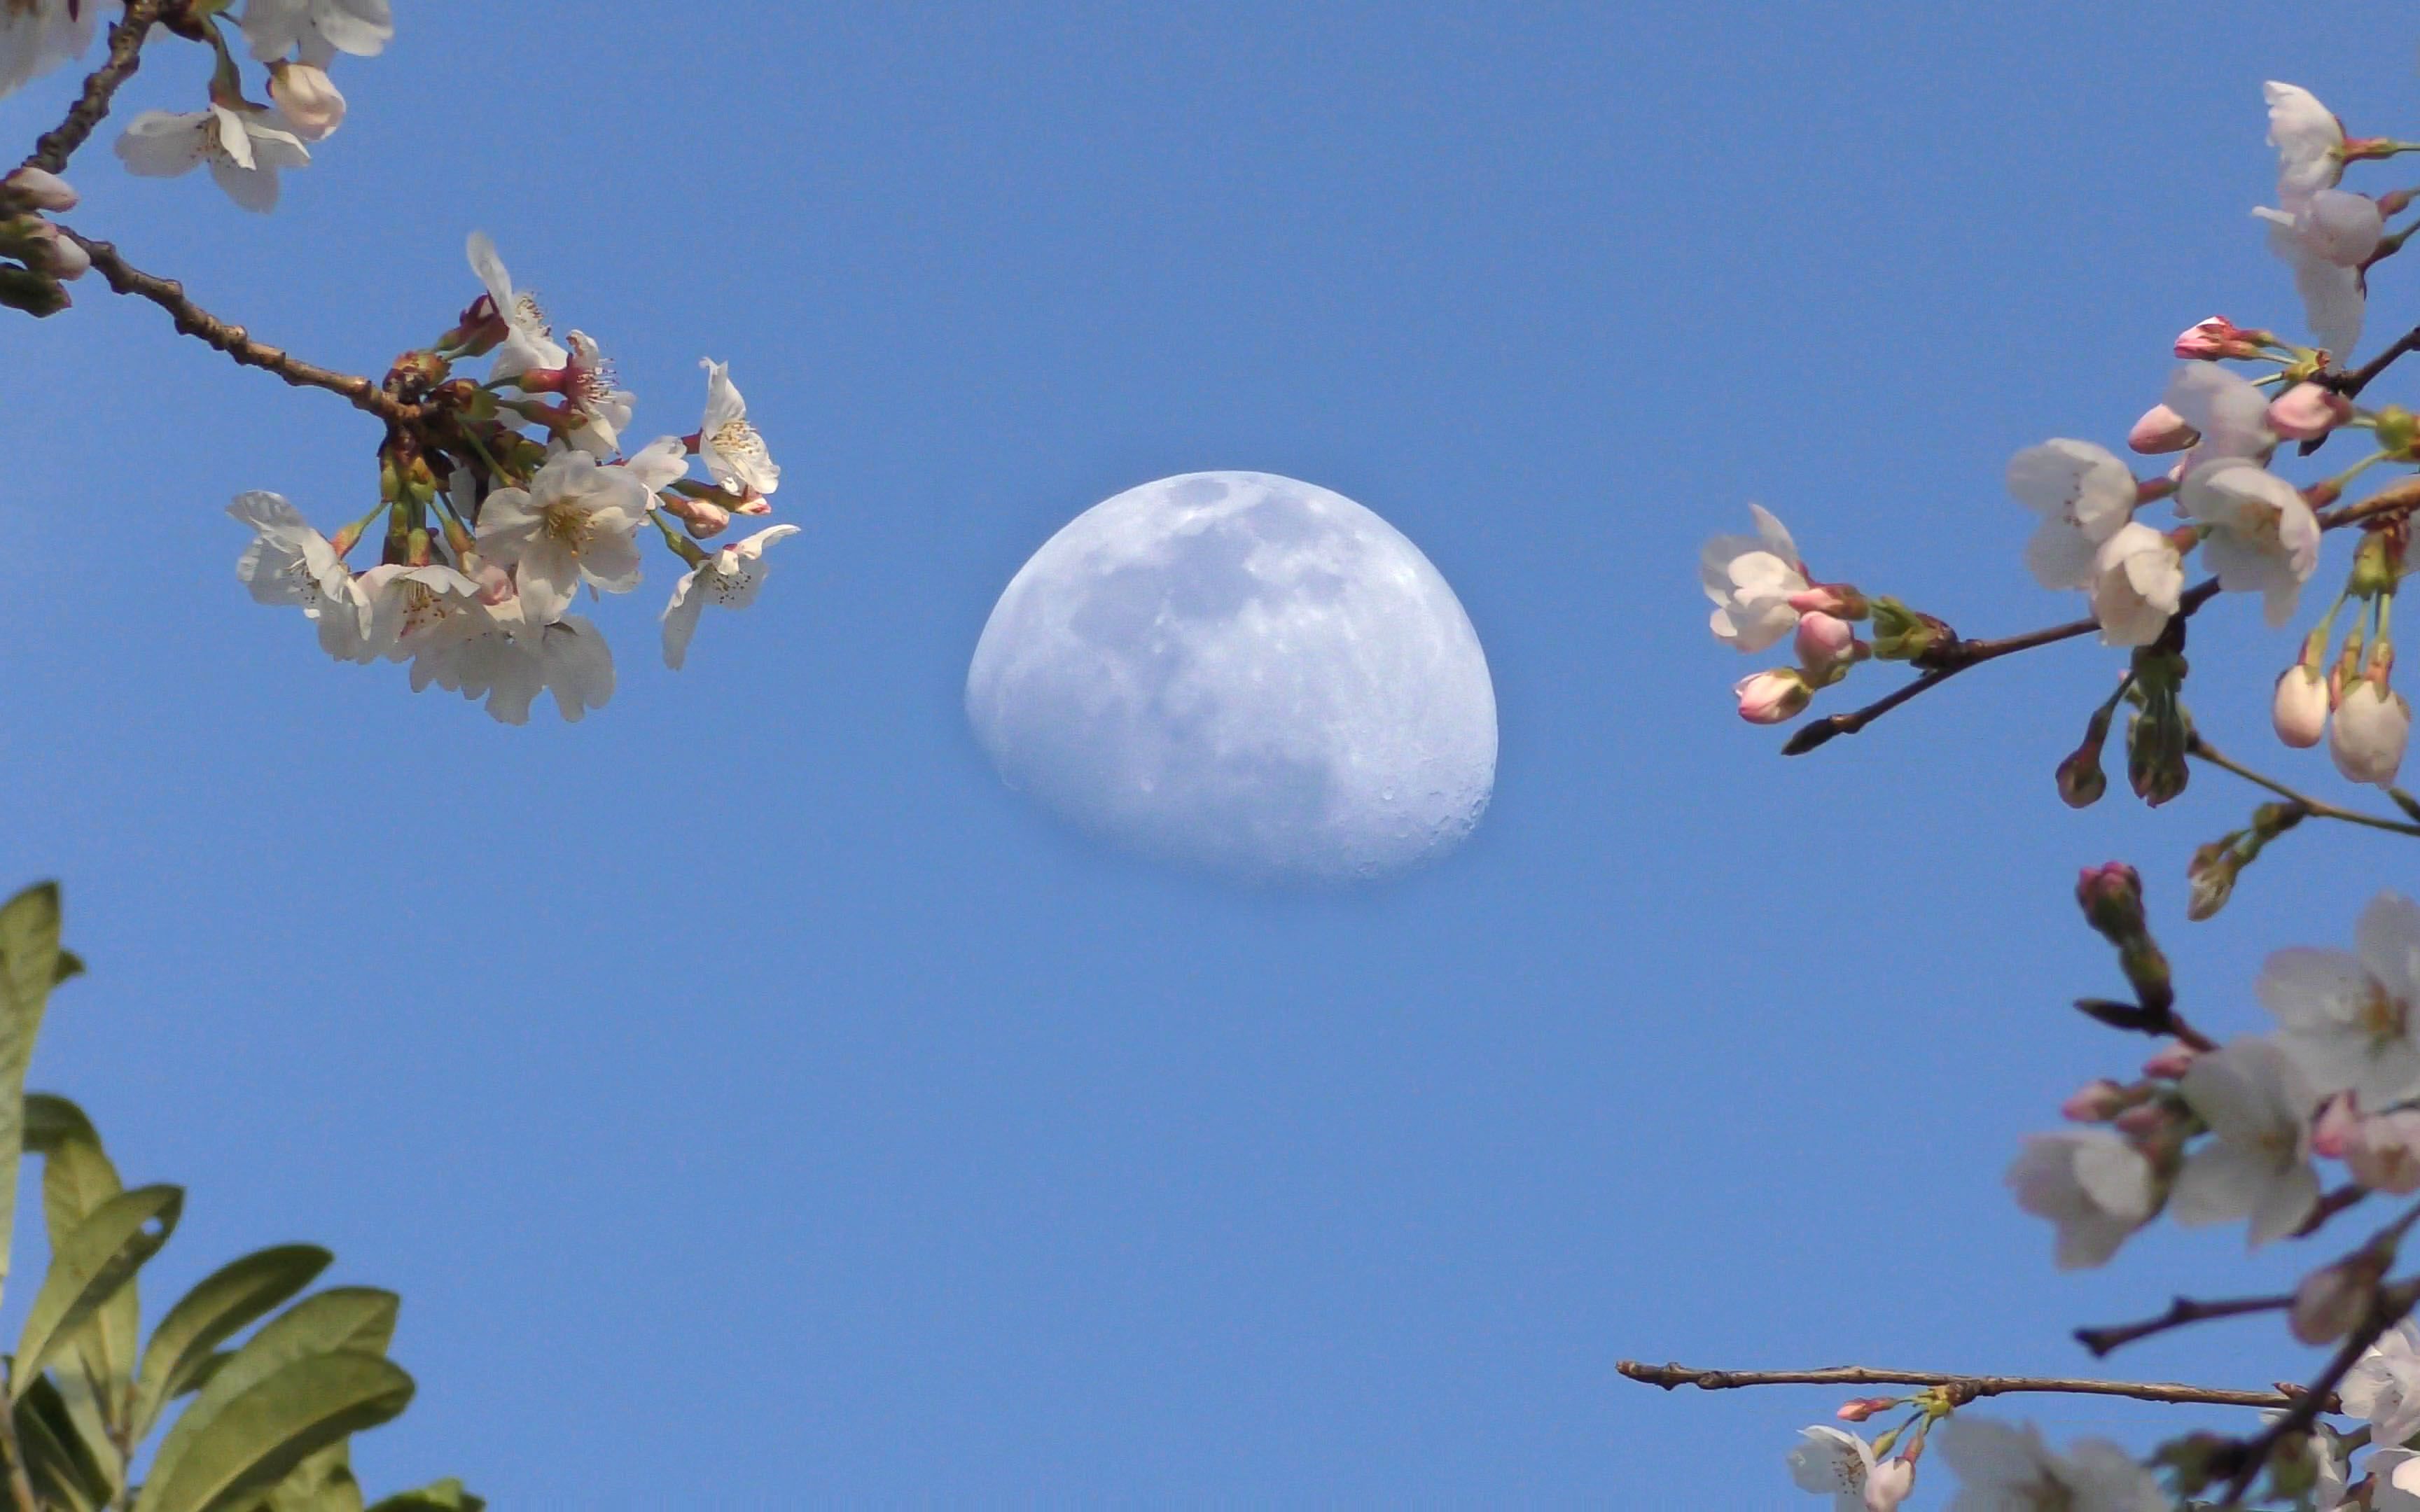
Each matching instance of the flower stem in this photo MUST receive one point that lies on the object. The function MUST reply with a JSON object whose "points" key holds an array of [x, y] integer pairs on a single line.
{"points": [[2197, 745]]}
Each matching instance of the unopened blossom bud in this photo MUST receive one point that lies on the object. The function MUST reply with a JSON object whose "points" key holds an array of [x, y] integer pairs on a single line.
{"points": [[2210, 878], [2144, 1121], [2111, 895], [1858, 1409], [38, 294], [1888, 1483], [38, 189], [2377, 562], [2300, 710], [701, 518], [2333, 1130], [1902, 634], [2160, 429], [1826, 648], [2395, 202], [2371, 729], [2081, 781], [2095, 1101], [55, 253], [1839, 600], [2308, 411], [756, 504], [1773, 696], [2396, 428], [2171, 1063], [2329, 1300], [312, 104], [2216, 337]]}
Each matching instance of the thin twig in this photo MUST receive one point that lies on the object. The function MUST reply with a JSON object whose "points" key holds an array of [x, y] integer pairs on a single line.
{"points": [[193, 320], [2388, 1309], [1960, 1388], [2359, 378], [56, 146], [2183, 1311], [2197, 745]]}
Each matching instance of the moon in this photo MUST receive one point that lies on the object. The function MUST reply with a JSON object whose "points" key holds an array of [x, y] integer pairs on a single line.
{"points": [[1242, 673]]}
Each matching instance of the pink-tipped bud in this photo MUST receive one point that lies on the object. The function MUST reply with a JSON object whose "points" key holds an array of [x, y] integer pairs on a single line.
{"points": [[1771, 697], [1823, 643], [701, 519], [2171, 1063], [2209, 340], [2300, 710], [756, 504], [1839, 600], [309, 99], [59, 254], [2371, 728], [2308, 411], [2395, 202], [2095, 1101], [2160, 429], [2111, 896], [40, 190], [1858, 1409], [2144, 1120]]}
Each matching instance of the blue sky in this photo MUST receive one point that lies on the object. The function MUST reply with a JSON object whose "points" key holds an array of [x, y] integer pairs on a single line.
{"points": [[757, 1104]]}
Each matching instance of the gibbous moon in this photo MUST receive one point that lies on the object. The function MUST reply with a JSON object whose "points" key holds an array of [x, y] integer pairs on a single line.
{"points": [[1244, 672]]}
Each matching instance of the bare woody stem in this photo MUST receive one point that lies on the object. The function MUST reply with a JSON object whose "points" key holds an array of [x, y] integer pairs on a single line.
{"points": [[193, 320], [2196, 746], [1960, 1389], [56, 146], [2387, 1309], [2182, 1312], [1946, 662]]}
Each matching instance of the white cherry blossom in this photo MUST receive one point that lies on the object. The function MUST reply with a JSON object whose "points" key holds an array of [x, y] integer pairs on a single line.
{"points": [[1833, 1461], [413, 609], [2005, 1469], [2383, 1387], [588, 388], [2258, 1105], [2397, 1485], [2347, 1017], [289, 563], [316, 28], [2306, 135], [2092, 1184], [308, 100], [2226, 412], [2138, 579], [245, 149], [2262, 538], [733, 452], [1751, 578], [2325, 241], [2082, 493], [730, 578], [572, 524], [528, 341], [37, 35]]}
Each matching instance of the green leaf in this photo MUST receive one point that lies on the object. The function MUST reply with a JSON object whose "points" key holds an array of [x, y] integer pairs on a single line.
{"points": [[100, 1256], [67, 1468], [226, 1302], [351, 1319], [77, 1178], [322, 1483], [258, 1436], [30, 966], [446, 1495]]}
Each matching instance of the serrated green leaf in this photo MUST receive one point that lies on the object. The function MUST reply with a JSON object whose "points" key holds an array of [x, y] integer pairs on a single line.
{"points": [[258, 1438], [102, 1256], [220, 1305], [353, 1318], [77, 1178], [322, 1483], [29, 968], [65, 1469], [446, 1495]]}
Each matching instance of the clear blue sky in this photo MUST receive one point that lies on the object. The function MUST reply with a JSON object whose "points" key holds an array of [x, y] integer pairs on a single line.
{"points": [[756, 1104]]}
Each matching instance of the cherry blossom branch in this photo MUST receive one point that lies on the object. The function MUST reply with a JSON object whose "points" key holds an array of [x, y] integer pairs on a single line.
{"points": [[2197, 745], [193, 320], [2183, 1311], [2387, 1309], [2360, 377], [1960, 1389], [55, 147]]}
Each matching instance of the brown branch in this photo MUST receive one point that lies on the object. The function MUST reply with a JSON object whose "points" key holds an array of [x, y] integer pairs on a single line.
{"points": [[2387, 1310], [56, 146], [2183, 1310], [1960, 1389], [194, 322], [2359, 378]]}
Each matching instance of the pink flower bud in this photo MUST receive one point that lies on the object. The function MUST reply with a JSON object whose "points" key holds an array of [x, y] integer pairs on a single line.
{"points": [[702, 519], [1839, 600], [2144, 1120], [2160, 429], [59, 255], [2308, 411], [2368, 735], [1888, 1483], [2096, 1102], [1858, 1409], [756, 504], [308, 98], [2300, 710], [1771, 697], [2171, 1063], [1822, 644], [40, 190], [2216, 337]]}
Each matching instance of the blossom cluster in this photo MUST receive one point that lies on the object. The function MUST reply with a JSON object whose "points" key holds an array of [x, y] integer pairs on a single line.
{"points": [[511, 497]]}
